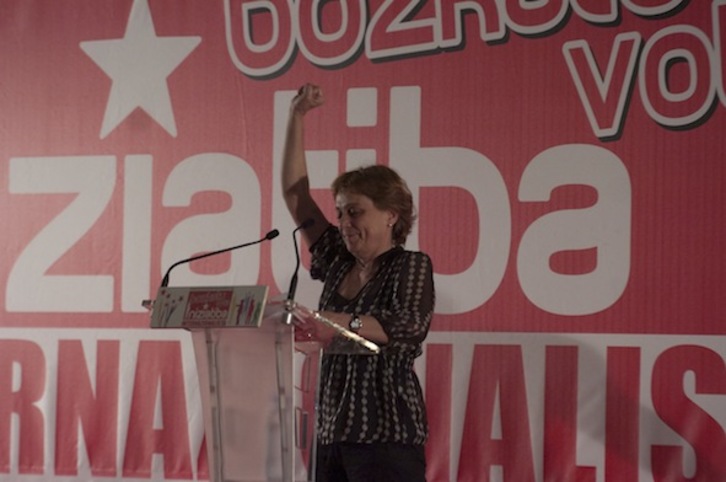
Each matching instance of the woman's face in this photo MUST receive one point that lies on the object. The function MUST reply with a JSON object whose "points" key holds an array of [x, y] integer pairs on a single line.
{"points": [[367, 231]]}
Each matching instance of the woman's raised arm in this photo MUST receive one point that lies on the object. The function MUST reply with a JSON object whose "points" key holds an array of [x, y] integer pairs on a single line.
{"points": [[295, 182]]}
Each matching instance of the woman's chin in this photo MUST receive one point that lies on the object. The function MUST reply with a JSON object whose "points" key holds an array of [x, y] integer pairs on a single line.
{"points": [[352, 244]]}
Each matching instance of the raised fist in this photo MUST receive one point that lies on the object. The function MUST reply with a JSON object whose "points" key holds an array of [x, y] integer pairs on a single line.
{"points": [[308, 97]]}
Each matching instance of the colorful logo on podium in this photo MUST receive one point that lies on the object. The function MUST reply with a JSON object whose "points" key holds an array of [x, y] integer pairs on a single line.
{"points": [[207, 308]]}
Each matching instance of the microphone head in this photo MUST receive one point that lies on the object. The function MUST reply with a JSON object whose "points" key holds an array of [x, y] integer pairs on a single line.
{"points": [[307, 223], [272, 234]]}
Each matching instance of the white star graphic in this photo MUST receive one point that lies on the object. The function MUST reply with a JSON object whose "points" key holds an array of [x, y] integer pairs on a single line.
{"points": [[139, 65]]}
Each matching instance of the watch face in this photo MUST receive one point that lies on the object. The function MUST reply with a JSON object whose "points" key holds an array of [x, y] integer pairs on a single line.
{"points": [[355, 324]]}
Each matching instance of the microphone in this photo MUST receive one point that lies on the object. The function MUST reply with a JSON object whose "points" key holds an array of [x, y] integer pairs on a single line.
{"points": [[270, 235], [293, 281]]}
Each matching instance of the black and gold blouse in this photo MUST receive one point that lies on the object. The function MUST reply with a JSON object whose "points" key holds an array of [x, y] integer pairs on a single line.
{"points": [[375, 398]]}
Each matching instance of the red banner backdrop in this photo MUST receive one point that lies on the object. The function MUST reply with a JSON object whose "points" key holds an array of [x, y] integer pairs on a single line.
{"points": [[567, 162]]}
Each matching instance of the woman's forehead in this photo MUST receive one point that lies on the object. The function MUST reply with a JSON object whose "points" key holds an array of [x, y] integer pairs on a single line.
{"points": [[346, 199]]}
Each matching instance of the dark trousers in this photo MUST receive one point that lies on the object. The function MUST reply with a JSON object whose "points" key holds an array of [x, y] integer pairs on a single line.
{"points": [[375, 462]]}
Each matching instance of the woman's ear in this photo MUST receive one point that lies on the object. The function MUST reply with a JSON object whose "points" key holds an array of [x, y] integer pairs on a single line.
{"points": [[392, 218]]}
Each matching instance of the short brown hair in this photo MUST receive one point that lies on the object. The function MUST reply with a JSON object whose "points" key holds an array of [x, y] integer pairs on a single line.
{"points": [[386, 189]]}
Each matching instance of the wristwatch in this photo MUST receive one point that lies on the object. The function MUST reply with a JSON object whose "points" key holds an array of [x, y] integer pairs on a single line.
{"points": [[355, 324]]}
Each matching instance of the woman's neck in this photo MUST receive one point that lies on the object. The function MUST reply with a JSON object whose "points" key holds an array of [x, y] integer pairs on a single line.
{"points": [[365, 265]]}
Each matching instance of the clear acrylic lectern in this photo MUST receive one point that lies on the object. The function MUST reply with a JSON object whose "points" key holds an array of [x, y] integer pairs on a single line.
{"points": [[258, 384]]}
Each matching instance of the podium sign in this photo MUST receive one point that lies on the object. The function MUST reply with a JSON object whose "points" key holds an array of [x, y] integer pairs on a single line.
{"points": [[209, 307]]}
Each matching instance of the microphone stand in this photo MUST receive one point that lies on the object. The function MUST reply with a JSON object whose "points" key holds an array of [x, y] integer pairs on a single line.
{"points": [[149, 304], [290, 300], [282, 334], [270, 235]]}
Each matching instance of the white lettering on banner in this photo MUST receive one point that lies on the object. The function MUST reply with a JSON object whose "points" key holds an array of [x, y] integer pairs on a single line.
{"points": [[423, 167], [719, 18], [649, 8], [465, 169], [532, 406], [700, 68], [93, 178], [450, 21], [29, 288], [249, 55], [335, 48], [605, 226], [397, 29], [535, 18], [392, 34], [606, 408], [394, 29], [696, 51], [92, 412], [596, 11], [230, 175], [606, 110], [137, 219]]}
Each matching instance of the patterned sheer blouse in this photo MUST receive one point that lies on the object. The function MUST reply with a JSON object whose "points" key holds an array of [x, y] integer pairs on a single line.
{"points": [[368, 398]]}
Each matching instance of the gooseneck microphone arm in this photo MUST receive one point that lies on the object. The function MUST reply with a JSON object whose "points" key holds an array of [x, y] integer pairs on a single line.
{"points": [[290, 300], [293, 281], [270, 235]]}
